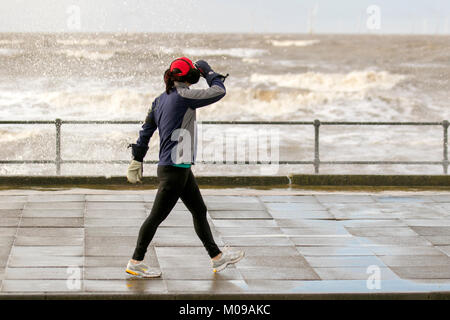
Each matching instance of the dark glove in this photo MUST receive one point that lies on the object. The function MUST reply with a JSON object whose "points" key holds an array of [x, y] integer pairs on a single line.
{"points": [[207, 72], [138, 152]]}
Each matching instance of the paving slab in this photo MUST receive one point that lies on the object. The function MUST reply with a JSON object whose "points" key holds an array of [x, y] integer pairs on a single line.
{"points": [[199, 273], [51, 222], [55, 205], [257, 241], [382, 232], [322, 214], [311, 231], [296, 207], [116, 213], [122, 205], [445, 249], [392, 240], [353, 273], [207, 286], [111, 231], [13, 198], [405, 250], [234, 206], [132, 286], [10, 213], [431, 231], [53, 213], [118, 261], [279, 273], [438, 240], [179, 206], [219, 214], [295, 242], [56, 198], [115, 197], [9, 222], [6, 241], [344, 198], [106, 250], [37, 273], [416, 260], [36, 286], [441, 198], [241, 223], [309, 223], [423, 272], [344, 261], [334, 251], [249, 231], [12, 205], [374, 223], [29, 251], [296, 261], [227, 198], [290, 199], [402, 199], [270, 252], [51, 232], [48, 241], [184, 261], [7, 231], [108, 272], [45, 261], [428, 222], [326, 241], [113, 222]]}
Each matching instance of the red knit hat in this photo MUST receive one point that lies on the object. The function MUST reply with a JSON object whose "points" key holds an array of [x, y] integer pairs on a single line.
{"points": [[183, 64]]}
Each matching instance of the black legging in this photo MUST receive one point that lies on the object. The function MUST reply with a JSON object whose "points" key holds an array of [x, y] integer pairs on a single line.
{"points": [[175, 183]]}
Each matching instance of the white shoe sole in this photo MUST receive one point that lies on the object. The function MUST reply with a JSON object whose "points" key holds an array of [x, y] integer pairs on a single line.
{"points": [[223, 266], [142, 275]]}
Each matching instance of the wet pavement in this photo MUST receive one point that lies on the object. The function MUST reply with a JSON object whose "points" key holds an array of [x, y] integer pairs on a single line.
{"points": [[70, 243]]}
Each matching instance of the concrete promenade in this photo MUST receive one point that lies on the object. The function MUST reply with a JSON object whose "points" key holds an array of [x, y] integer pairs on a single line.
{"points": [[75, 243]]}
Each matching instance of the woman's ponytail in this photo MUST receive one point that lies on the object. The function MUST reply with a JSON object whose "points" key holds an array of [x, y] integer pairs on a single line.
{"points": [[168, 80]]}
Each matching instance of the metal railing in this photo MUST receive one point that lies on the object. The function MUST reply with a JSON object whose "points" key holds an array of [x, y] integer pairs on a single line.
{"points": [[316, 123]]}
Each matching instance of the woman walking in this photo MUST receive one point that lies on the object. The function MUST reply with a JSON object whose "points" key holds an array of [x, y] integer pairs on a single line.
{"points": [[173, 114]]}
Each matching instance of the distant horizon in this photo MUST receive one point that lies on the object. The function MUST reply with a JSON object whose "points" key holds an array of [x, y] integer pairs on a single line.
{"points": [[403, 17], [229, 32]]}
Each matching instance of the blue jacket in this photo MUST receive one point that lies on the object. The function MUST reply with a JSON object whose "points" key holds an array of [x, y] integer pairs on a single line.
{"points": [[174, 115]]}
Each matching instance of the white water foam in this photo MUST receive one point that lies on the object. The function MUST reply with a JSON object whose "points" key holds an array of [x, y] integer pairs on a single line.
{"points": [[87, 54], [233, 52], [10, 42], [89, 42], [10, 52], [293, 43], [355, 81]]}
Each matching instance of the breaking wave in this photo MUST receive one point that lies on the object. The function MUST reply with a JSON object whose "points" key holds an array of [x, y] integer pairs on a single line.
{"points": [[233, 52], [87, 54], [355, 81], [293, 43]]}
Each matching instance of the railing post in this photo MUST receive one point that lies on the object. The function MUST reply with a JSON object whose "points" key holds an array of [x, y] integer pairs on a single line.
{"points": [[445, 124], [316, 146], [58, 146]]}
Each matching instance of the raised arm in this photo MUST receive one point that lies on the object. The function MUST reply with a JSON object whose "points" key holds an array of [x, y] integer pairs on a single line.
{"points": [[197, 98]]}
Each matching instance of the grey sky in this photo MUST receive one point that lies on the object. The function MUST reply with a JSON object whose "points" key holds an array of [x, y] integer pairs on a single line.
{"points": [[286, 16]]}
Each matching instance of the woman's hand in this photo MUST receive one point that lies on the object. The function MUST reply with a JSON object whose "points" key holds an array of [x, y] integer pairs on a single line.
{"points": [[134, 173]]}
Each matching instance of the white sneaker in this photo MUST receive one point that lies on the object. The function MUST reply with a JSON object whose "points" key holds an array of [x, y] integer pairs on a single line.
{"points": [[141, 270], [229, 256]]}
